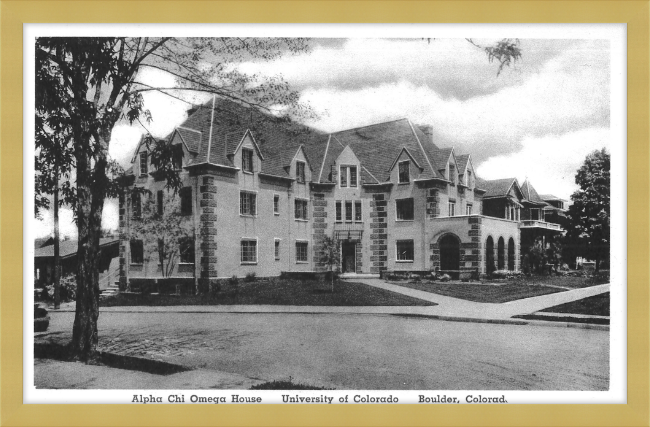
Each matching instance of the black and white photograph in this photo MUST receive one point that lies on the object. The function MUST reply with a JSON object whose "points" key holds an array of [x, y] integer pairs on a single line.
{"points": [[325, 214]]}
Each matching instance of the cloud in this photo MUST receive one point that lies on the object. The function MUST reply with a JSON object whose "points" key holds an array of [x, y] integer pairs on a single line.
{"points": [[550, 162]]}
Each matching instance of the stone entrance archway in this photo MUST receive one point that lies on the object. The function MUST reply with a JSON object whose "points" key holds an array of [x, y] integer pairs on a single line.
{"points": [[450, 255]]}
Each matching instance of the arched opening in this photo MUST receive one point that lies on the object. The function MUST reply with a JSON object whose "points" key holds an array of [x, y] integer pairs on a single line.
{"points": [[511, 254], [501, 254], [489, 255], [450, 255]]}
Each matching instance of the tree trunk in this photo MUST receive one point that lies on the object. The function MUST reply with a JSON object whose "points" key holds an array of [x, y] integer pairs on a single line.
{"points": [[57, 258]]}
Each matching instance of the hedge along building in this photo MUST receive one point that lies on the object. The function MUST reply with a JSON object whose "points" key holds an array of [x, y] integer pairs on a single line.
{"points": [[262, 193]]}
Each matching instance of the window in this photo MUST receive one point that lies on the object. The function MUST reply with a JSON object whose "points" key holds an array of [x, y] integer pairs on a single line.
{"points": [[301, 251], [300, 172], [177, 157], [301, 209], [353, 176], [468, 209], [348, 177], [338, 211], [277, 249], [143, 164], [452, 208], [357, 211], [249, 251], [348, 211], [404, 209], [186, 249], [137, 252], [186, 200], [136, 205], [159, 204], [404, 250], [247, 203], [276, 204], [534, 214], [247, 160], [404, 171]]}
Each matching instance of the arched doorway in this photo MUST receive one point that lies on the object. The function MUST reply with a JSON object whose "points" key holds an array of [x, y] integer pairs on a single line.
{"points": [[501, 254], [511, 254], [489, 255], [450, 255]]}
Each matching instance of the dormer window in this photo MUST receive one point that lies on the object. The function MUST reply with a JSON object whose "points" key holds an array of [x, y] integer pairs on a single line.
{"points": [[404, 168], [247, 160], [300, 172], [348, 176], [143, 164]]}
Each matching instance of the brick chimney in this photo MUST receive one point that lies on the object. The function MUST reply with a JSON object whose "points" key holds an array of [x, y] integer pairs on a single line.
{"points": [[427, 130]]}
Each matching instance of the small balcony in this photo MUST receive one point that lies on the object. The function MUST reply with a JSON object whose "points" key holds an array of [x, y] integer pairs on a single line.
{"points": [[348, 230], [540, 224]]}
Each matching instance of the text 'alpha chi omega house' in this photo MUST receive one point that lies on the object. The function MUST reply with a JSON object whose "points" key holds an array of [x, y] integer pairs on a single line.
{"points": [[262, 193]]}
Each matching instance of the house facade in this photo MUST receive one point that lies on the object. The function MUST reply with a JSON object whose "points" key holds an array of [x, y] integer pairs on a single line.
{"points": [[261, 195]]}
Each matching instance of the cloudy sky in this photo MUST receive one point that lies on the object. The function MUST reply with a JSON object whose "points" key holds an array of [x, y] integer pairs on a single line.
{"points": [[538, 119]]}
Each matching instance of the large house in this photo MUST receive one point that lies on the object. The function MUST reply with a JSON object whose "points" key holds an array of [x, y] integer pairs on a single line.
{"points": [[262, 194]]}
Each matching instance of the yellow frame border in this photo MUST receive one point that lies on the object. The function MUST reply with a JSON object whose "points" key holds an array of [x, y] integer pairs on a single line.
{"points": [[14, 13]]}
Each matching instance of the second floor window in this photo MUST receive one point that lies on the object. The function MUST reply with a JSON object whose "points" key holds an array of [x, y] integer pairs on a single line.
{"points": [[357, 211], [186, 200], [136, 205], [247, 160], [277, 250], [468, 209], [338, 210], [452, 208], [300, 172], [301, 209], [247, 203], [137, 252], [276, 204], [404, 175], [143, 164], [186, 250], [404, 209], [348, 211]]}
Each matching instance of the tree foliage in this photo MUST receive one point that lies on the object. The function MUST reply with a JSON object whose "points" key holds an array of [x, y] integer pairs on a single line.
{"points": [[86, 85], [331, 255], [588, 218], [163, 233]]}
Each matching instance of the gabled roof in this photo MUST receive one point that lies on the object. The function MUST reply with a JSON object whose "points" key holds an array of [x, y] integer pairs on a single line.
{"points": [[530, 193], [547, 197], [376, 146], [461, 162], [496, 187], [441, 157], [68, 248], [191, 138]]}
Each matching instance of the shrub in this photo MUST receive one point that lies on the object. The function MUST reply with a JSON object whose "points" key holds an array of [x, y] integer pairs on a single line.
{"points": [[68, 289], [445, 278], [250, 277], [233, 281]]}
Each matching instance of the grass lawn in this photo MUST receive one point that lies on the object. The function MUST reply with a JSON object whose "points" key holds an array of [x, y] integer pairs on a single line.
{"points": [[276, 292], [597, 305], [565, 281], [483, 293]]}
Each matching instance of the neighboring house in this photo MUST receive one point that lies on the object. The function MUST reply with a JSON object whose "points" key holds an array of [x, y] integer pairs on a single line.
{"points": [[44, 261], [556, 208], [262, 194]]}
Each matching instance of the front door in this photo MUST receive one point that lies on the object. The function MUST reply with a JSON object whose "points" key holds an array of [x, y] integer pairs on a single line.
{"points": [[348, 260]]}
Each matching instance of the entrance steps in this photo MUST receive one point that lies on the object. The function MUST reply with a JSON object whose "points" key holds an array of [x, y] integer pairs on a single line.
{"points": [[112, 289], [359, 276]]}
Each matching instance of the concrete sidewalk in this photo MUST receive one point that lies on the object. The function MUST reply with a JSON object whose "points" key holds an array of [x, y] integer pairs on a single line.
{"points": [[448, 308], [77, 375]]}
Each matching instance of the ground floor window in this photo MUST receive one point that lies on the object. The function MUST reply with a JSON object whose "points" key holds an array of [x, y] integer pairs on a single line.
{"points": [[249, 251], [301, 251], [405, 250], [137, 252], [277, 249], [186, 249]]}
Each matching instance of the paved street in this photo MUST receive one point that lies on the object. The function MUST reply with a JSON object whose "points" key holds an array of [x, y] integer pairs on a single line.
{"points": [[357, 351]]}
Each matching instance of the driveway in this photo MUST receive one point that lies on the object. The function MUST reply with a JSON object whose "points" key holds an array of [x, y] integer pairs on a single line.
{"points": [[358, 351]]}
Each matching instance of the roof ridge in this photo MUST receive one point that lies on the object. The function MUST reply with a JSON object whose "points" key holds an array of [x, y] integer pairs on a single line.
{"points": [[322, 165], [367, 126]]}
